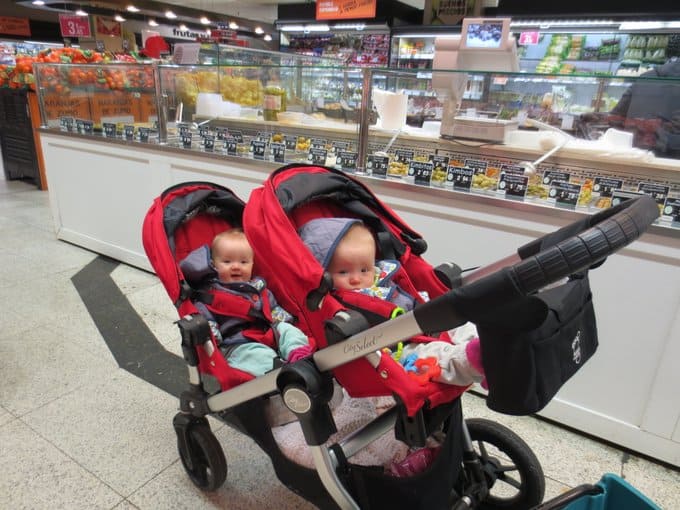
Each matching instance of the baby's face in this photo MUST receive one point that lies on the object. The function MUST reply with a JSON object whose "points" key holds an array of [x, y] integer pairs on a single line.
{"points": [[233, 259], [353, 264]]}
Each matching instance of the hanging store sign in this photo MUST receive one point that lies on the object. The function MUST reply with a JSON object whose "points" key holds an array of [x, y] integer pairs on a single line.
{"points": [[345, 9], [74, 26], [529, 38], [14, 26]]}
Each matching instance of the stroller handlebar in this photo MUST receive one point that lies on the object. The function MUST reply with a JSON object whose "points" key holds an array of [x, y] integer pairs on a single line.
{"points": [[569, 250]]}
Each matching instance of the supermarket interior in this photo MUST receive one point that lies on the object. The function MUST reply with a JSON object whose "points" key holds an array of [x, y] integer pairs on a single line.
{"points": [[519, 157]]}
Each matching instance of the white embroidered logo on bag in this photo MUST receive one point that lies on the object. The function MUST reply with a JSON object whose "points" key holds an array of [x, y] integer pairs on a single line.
{"points": [[576, 348]]}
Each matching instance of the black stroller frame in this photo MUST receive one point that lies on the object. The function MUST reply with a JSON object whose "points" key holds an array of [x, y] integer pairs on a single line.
{"points": [[306, 386]]}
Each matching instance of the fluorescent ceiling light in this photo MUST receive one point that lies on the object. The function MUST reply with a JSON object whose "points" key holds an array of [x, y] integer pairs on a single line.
{"points": [[152, 22], [119, 18], [233, 25], [81, 12], [349, 26], [648, 25], [205, 20], [258, 30], [170, 15], [304, 28], [183, 27], [267, 37], [132, 8], [38, 2]]}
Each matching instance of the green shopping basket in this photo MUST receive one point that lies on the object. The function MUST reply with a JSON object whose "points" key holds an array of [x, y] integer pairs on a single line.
{"points": [[610, 493]]}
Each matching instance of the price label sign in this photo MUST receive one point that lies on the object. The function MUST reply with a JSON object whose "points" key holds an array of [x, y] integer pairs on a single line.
{"points": [[477, 165], [340, 146], [619, 196], [514, 185], [658, 192], [555, 175], [129, 132], [403, 156], [529, 38], [109, 129], [88, 127], [182, 128], [209, 143], [66, 123], [461, 177], [230, 145], [79, 126], [512, 169], [317, 156], [258, 148], [565, 193], [439, 166], [185, 140], [236, 135], [263, 136], [606, 186], [318, 143], [671, 208], [290, 141], [221, 133], [278, 151], [203, 132], [144, 134], [347, 160], [421, 172], [74, 26], [377, 165]]}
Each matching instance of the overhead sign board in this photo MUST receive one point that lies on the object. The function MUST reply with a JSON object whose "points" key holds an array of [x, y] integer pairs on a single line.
{"points": [[345, 9], [14, 26], [74, 26]]}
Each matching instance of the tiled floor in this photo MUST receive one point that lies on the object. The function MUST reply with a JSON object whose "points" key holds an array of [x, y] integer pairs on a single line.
{"points": [[79, 432]]}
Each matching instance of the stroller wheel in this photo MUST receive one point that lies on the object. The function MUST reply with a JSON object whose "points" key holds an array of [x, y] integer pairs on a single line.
{"points": [[513, 473], [202, 457]]}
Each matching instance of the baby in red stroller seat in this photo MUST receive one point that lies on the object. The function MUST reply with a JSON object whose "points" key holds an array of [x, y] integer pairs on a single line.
{"points": [[347, 249]]}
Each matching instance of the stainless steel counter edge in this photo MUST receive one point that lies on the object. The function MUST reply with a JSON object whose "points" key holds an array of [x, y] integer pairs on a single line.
{"points": [[473, 197]]}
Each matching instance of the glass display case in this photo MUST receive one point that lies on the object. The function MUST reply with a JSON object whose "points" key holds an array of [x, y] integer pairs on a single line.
{"points": [[526, 137]]}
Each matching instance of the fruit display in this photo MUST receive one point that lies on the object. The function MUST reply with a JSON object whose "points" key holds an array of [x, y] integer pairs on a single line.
{"points": [[482, 181], [397, 169], [236, 89]]}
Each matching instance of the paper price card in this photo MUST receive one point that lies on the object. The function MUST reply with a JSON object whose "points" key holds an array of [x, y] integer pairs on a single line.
{"points": [[512, 169], [340, 146], [182, 128], [290, 141], [421, 172], [671, 208], [318, 143], [109, 130], [403, 155], [203, 132], [317, 156], [263, 136], [347, 160], [88, 127], [619, 196], [129, 132], [79, 126], [514, 185], [66, 123], [230, 146], [658, 192], [564, 193], [237, 135], [555, 175], [278, 151], [377, 165], [185, 140], [477, 165], [209, 143], [143, 134], [221, 133], [439, 166], [606, 186], [258, 148], [460, 177]]}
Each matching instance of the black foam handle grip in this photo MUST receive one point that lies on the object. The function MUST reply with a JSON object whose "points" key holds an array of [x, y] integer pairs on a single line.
{"points": [[616, 229]]}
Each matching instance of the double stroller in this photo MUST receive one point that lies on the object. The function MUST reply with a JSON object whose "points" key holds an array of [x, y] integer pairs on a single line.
{"points": [[534, 336]]}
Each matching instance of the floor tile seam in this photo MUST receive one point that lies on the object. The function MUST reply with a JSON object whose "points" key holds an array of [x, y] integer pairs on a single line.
{"points": [[151, 479], [75, 461], [46, 403]]}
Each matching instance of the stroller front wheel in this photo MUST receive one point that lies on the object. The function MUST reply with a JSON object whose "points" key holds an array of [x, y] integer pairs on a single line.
{"points": [[513, 473], [202, 457]]}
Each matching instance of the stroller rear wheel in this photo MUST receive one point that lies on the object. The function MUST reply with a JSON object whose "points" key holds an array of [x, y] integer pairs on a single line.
{"points": [[202, 457], [513, 473]]}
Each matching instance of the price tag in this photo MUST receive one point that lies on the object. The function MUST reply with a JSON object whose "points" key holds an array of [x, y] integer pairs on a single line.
{"points": [[403, 155], [658, 192], [421, 172], [88, 127], [619, 196], [230, 145], [512, 169], [221, 133], [555, 175], [182, 128], [317, 156], [514, 185], [258, 148], [340, 146], [564, 193], [109, 129], [290, 141], [129, 132], [203, 131], [209, 143], [143, 134], [377, 165], [671, 208], [237, 135], [185, 139], [262, 136], [606, 186], [439, 166], [318, 143], [461, 177], [79, 126], [477, 165], [278, 151], [347, 161], [66, 123]]}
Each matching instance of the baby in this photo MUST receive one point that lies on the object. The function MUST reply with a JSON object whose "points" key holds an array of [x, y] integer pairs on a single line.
{"points": [[346, 248], [250, 346]]}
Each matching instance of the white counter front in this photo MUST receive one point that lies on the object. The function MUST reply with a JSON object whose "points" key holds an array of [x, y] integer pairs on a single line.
{"points": [[627, 394]]}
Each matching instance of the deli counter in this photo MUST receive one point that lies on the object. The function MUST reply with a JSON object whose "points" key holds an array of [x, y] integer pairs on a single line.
{"points": [[478, 175]]}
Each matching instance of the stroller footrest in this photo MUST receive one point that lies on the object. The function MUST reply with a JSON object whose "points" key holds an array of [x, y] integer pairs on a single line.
{"points": [[414, 430]]}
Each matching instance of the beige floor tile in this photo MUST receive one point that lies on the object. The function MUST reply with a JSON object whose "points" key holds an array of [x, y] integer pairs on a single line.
{"points": [[659, 483]]}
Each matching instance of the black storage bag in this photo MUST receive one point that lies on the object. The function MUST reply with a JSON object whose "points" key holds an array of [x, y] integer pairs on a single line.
{"points": [[524, 369]]}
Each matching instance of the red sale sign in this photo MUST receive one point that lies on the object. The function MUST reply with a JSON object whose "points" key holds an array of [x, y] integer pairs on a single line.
{"points": [[74, 26], [528, 38]]}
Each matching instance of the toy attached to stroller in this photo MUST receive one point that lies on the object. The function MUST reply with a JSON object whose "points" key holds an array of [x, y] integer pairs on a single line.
{"points": [[463, 474]]}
